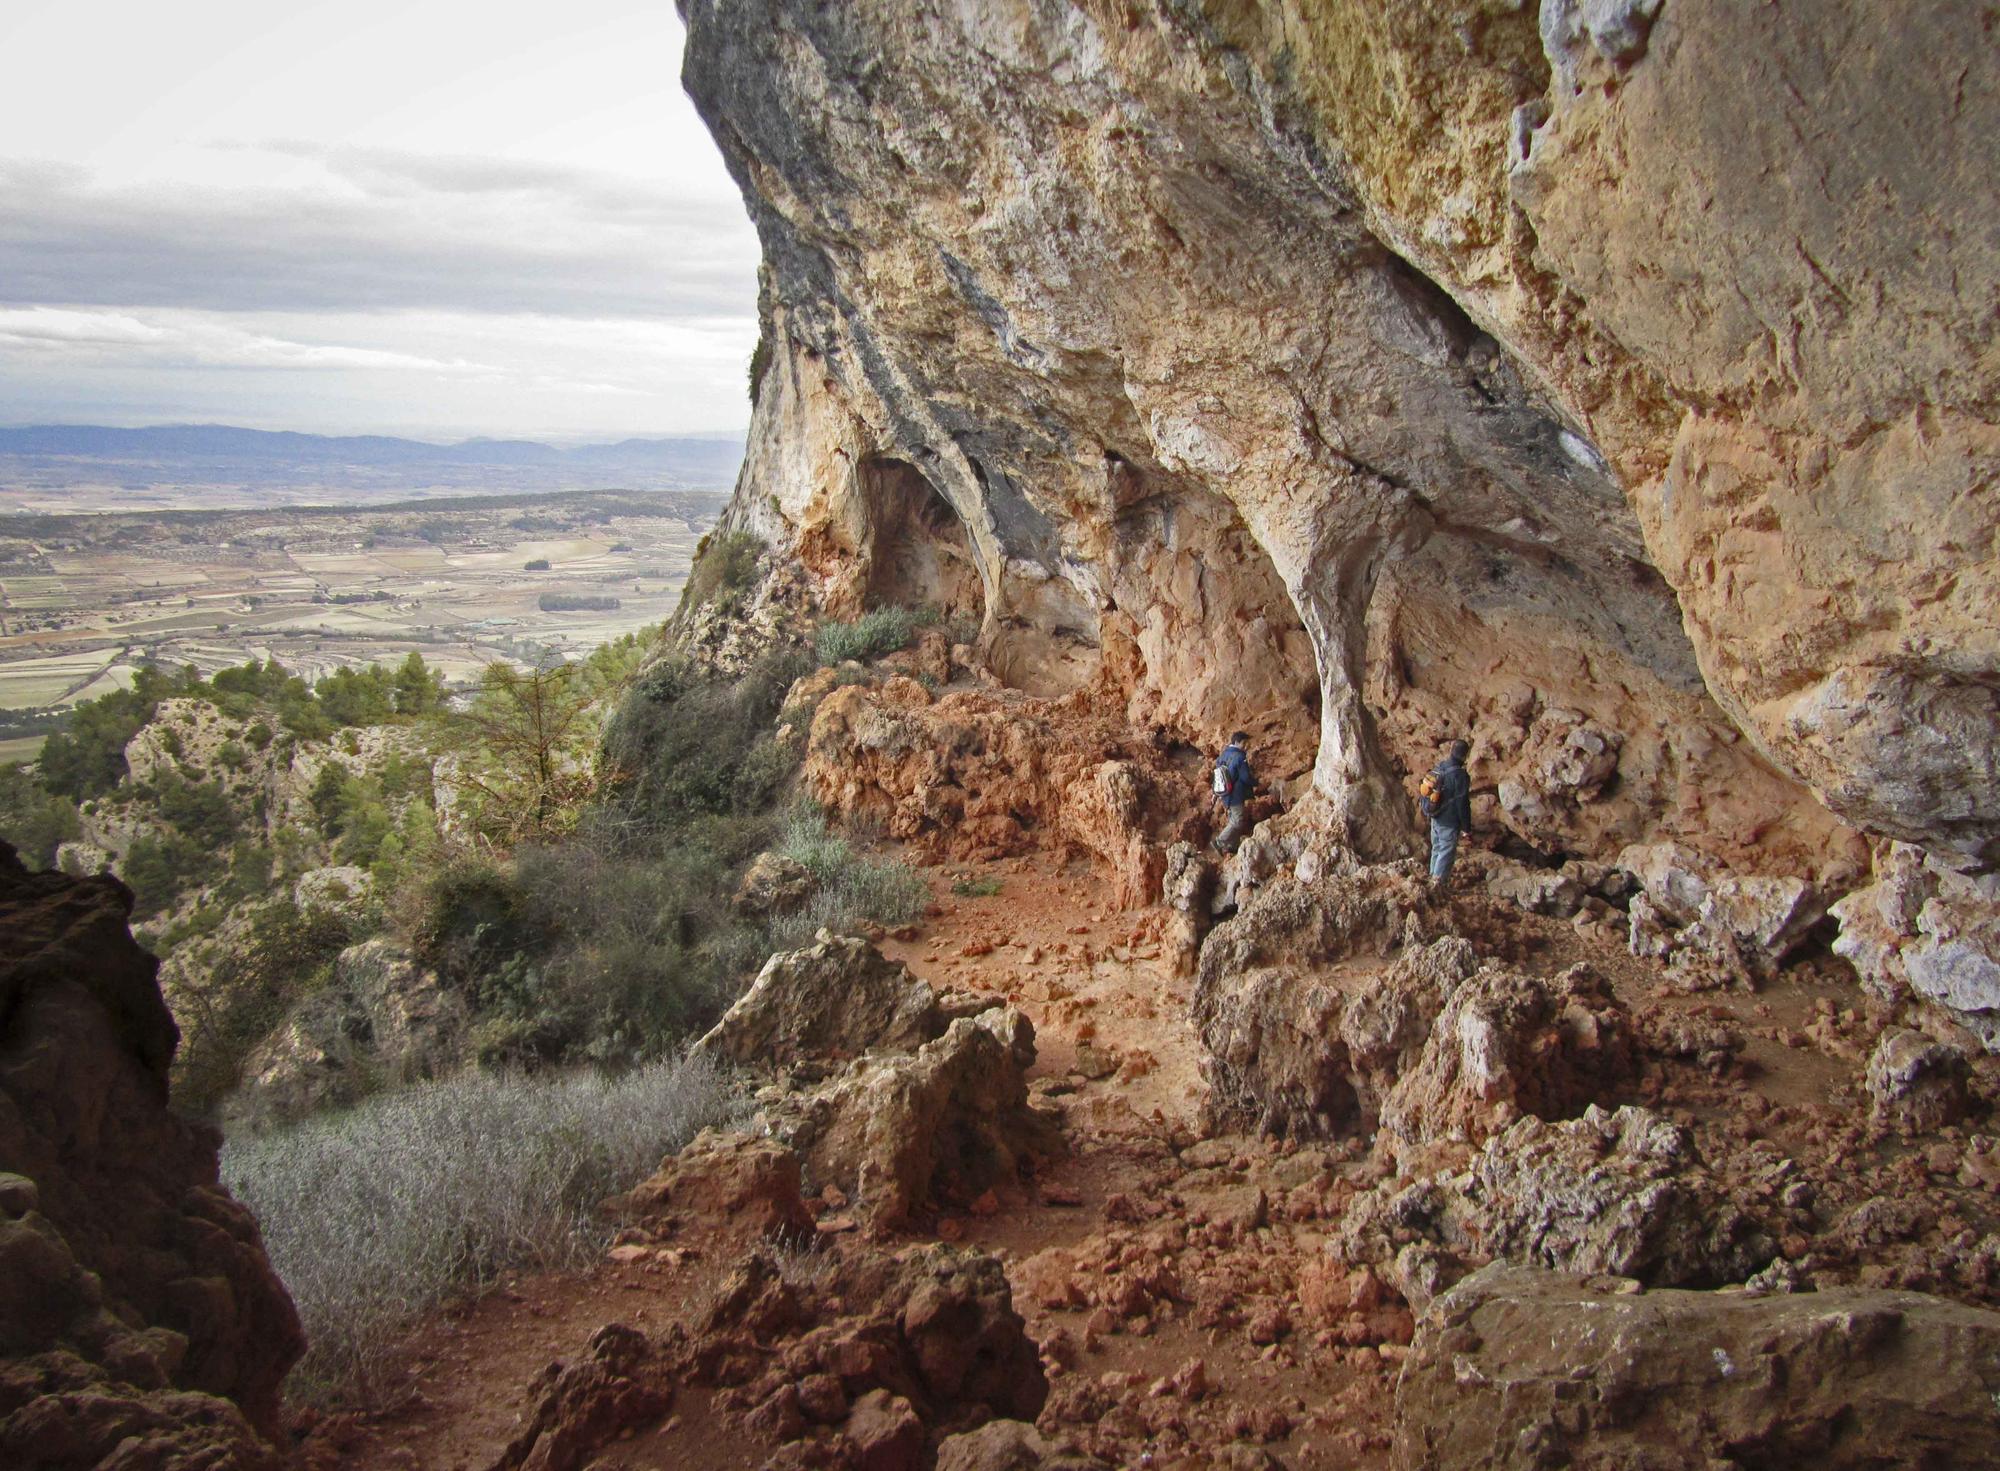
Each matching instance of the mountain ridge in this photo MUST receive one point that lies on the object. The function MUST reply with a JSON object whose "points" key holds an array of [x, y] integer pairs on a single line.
{"points": [[227, 441]]}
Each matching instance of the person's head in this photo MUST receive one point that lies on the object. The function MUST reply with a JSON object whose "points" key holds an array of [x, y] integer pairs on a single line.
{"points": [[1240, 738], [1459, 751]]}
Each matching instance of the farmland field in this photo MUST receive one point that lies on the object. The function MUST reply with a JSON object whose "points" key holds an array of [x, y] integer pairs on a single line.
{"points": [[86, 599]]}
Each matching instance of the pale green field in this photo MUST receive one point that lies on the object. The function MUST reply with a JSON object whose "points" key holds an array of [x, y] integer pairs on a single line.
{"points": [[20, 748], [34, 684], [35, 594]]}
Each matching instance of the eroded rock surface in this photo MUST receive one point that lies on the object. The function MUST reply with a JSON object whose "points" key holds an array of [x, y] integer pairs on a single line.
{"points": [[868, 1360], [139, 1317], [836, 999], [1518, 1367], [1453, 393], [1324, 1011], [384, 1020], [897, 1096]]}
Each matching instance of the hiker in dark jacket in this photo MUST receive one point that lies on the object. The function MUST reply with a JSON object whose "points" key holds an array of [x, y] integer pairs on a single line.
{"points": [[1446, 798], [1234, 783]]}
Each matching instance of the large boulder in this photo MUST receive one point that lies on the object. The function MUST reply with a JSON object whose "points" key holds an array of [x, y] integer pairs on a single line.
{"points": [[772, 884], [897, 1097], [1915, 1083], [1505, 1045], [838, 998], [899, 1132], [724, 1183], [1622, 1192], [1523, 1368], [140, 1313]]}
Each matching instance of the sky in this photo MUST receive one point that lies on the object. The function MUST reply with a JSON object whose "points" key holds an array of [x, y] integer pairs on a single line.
{"points": [[437, 218]]}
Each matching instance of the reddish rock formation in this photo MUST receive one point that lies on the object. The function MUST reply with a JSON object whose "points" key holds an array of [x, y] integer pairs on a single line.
{"points": [[979, 774], [139, 1308], [869, 1359]]}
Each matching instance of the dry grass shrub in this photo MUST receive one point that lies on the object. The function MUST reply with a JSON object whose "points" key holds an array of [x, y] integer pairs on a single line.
{"points": [[376, 1216]]}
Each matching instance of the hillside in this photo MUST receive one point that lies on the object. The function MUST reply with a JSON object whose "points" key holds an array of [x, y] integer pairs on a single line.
{"points": [[1609, 386]]}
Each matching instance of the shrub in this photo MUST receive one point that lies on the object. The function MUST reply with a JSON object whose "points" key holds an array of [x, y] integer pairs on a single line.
{"points": [[536, 564], [877, 632], [848, 889], [725, 565], [160, 869], [232, 1005], [571, 602], [681, 745], [34, 820], [376, 1216]]}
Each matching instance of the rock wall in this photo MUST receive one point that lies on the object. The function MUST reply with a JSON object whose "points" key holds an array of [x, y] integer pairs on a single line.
{"points": [[138, 1313], [1612, 383]]}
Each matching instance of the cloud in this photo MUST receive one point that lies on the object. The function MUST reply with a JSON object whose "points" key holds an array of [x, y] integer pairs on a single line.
{"points": [[377, 231], [84, 336]]}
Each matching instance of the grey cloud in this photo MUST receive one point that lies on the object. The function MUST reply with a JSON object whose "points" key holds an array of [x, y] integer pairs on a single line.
{"points": [[399, 232]]}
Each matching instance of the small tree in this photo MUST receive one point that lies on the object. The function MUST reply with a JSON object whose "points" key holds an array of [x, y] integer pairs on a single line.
{"points": [[528, 739]]}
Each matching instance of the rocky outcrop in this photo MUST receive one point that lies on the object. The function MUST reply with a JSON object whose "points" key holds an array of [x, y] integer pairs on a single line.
{"points": [[382, 1021], [723, 1183], [897, 1098], [1622, 1192], [1915, 1084], [834, 1000], [870, 1360], [980, 774], [138, 1314], [1323, 1011], [1516, 1367], [1926, 934], [1206, 337], [899, 1132]]}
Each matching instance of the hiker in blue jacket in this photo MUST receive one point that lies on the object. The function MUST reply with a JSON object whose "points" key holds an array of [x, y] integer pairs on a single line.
{"points": [[1234, 785], [1446, 798]]}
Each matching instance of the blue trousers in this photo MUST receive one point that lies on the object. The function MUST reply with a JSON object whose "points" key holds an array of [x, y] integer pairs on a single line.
{"points": [[1444, 850]]}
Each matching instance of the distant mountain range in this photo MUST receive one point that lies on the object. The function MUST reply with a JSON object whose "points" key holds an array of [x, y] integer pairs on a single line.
{"points": [[50, 456]]}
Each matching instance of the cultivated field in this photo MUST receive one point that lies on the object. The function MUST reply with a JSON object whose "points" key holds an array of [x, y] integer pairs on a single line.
{"points": [[85, 599]]}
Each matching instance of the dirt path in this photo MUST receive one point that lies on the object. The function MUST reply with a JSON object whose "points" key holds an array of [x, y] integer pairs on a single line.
{"points": [[1110, 1015]]}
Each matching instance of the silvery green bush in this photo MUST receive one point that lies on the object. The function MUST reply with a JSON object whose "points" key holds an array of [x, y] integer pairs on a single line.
{"points": [[375, 1216]]}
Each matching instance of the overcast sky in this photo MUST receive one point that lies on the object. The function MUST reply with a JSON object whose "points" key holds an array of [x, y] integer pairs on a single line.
{"points": [[428, 217]]}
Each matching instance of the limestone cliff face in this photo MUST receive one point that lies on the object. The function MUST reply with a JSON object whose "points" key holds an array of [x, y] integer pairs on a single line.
{"points": [[1614, 383]]}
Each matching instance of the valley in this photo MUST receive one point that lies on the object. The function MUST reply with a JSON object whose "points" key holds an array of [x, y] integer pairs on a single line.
{"points": [[87, 599]]}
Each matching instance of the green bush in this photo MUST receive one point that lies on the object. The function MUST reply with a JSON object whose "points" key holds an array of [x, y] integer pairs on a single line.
{"points": [[848, 888], [682, 745], [34, 820], [376, 1216], [877, 632], [87, 757], [159, 869], [725, 565]]}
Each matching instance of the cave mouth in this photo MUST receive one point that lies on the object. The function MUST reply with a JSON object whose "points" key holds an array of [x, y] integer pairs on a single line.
{"points": [[919, 552]]}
